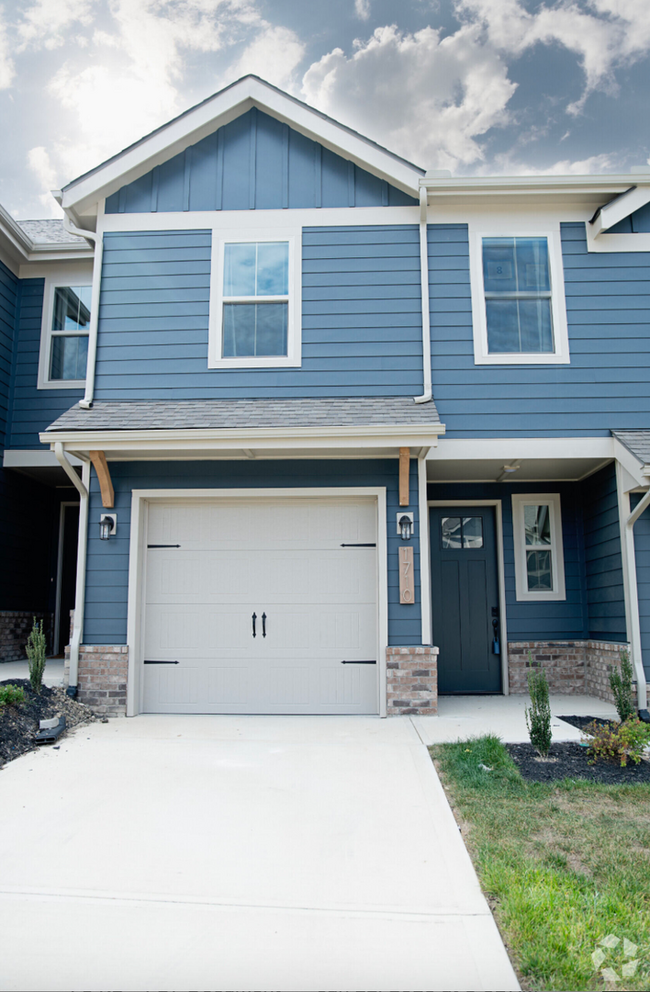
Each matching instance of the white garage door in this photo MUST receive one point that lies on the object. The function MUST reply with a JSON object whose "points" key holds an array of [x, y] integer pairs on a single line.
{"points": [[261, 606]]}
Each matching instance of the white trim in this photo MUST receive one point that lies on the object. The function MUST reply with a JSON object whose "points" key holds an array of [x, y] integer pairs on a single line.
{"points": [[630, 586], [80, 589], [59, 276], [616, 242], [215, 112], [59, 567], [523, 448], [503, 620], [25, 458], [244, 220], [508, 226], [552, 500], [140, 498], [221, 237], [618, 209], [527, 185], [425, 554]]}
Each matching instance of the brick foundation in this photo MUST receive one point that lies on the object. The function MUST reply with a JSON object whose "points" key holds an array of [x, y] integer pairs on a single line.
{"points": [[102, 677], [579, 667], [412, 681], [15, 628]]}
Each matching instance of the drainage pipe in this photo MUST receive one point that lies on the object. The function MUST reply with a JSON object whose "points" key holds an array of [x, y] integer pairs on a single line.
{"points": [[83, 486], [98, 242], [628, 520], [426, 318]]}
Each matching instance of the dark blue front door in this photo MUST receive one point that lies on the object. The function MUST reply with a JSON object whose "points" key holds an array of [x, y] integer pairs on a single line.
{"points": [[465, 598]]}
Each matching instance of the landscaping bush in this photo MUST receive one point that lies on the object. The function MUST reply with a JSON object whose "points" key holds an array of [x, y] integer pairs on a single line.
{"points": [[621, 685], [10, 695], [36, 647], [538, 717], [617, 742]]}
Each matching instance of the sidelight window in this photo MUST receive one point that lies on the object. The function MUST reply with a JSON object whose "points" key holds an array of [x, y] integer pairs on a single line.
{"points": [[539, 558]]}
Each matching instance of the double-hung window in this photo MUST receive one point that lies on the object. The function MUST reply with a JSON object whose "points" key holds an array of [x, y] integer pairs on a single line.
{"points": [[254, 310], [517, 299], [64, 336], [539, 557]]}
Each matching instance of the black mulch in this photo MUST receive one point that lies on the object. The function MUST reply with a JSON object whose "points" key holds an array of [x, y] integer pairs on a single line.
{"points": [[570, 760], [19, 723], [582, 721]]}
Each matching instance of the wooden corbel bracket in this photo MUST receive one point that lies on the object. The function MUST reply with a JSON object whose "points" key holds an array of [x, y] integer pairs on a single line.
{"points": [[98, 458]]}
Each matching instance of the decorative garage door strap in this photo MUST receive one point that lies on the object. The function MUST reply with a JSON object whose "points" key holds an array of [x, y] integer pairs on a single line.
{"points": [[358, 662], [163, 545], [161, 662], [358, 545]]}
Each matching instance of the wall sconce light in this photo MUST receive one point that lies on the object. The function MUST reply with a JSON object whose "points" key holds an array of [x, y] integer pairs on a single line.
{"points": [[107, 526], [405, 526]]}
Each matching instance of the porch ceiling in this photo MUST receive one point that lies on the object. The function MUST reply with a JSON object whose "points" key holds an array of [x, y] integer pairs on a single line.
{"points": [[529, 469]]}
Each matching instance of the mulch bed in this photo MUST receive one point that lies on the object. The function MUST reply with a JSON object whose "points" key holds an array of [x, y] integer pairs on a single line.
{"points": [[583, 721], [19, 724], [570, 760]]}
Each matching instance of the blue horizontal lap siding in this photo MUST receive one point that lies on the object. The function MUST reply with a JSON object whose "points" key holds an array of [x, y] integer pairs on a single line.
{"points": [[255, 162], [361, 318], [604, 386], [551, 620], [33, 409], [108, 561]]}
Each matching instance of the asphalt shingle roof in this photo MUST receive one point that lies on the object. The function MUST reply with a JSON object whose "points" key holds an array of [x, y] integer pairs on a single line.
{"points": [[241, 414], [47, 232], [637, 441]]}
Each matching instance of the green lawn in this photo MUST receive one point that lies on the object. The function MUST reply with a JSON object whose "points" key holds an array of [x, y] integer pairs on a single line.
{"points": [[563, 865]]}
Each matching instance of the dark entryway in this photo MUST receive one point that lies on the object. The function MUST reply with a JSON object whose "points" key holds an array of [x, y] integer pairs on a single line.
{"points": [[465, 599], [67, 572]]}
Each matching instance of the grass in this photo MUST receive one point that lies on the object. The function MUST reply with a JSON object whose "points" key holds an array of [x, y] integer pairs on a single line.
{"points": [[563, 866]]}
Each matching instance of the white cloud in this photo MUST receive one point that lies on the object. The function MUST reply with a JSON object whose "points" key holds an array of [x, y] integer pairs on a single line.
{"points": [[46, 22], [7, 70], [362, 9], [274, 55], [424, 97], [508, 165], [39, 163]]}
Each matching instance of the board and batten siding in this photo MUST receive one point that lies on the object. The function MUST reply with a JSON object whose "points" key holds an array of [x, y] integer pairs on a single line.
{"points": [[255, 162], [605, 386], [530, 621], [108, 561], [361, 318], [33, 409], [603, 562]]}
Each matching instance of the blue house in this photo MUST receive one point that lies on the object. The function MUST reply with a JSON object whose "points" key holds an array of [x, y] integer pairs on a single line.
{"points": [[298, 427]]}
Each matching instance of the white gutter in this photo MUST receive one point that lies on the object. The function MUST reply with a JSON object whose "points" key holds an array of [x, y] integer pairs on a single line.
{"points": [[83, 486], [426, 319], [628, 519], [98, 242]]}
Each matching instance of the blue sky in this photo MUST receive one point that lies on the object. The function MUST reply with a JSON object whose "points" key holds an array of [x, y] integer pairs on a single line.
{"points": [[476, 86]]}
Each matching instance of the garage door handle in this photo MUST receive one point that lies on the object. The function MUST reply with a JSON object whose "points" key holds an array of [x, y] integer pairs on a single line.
{"points": [[264, 625], [358, 662], [254, 618], [161, 662]]}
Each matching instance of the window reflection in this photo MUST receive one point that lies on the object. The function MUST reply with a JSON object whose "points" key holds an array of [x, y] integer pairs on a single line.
{"points": [[461, 533]]}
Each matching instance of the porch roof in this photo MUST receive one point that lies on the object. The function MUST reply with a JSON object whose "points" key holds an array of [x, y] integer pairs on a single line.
{"points": [[638, 442]]}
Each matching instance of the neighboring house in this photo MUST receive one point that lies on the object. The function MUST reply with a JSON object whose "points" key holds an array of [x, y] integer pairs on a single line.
{"points": [[275, 516]]}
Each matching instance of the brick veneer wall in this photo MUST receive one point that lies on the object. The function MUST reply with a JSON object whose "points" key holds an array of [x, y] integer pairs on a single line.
{"points": [[412, 681], [102, 677], [570, 666], [15, 628]]}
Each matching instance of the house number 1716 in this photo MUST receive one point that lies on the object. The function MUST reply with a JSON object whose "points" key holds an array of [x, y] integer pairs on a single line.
{"points": [[406, 582]]}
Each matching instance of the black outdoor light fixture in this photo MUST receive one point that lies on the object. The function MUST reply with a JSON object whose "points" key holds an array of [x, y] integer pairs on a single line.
{"points": [[405, 525], [107, 525]]}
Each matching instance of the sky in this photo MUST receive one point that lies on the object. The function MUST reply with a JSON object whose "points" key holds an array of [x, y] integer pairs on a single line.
{"points": [[480, 87]]}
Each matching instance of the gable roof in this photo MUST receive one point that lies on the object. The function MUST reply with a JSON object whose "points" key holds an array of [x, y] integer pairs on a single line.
{"points": [[79, 197]]}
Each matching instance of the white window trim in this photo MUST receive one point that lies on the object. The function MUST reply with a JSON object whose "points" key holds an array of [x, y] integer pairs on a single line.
{"points": [[293, 358], [552, 500], [511, 229], [60, 278]]}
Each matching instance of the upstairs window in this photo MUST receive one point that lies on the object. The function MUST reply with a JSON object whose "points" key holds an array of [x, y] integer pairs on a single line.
{"points": [[65, 329], [254, 305], [517, 299]]}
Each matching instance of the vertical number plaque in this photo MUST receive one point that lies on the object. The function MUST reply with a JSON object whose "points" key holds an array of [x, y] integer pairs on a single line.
{"points": [[406, 582]]}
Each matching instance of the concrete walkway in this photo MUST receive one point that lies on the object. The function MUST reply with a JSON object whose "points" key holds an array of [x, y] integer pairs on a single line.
{"points": [[247, 853]]}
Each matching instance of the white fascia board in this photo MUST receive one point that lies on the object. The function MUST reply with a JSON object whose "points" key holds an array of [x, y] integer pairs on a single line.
{"points": [[214, 113], [620, 208], [25, 458], [253, 219], [518, 185], [523, 448]]}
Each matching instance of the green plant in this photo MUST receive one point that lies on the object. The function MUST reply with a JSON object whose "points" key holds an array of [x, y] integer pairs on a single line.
{"points": [[617, 742], [36, 645], [538, 717], [10, 695], [621, 685]]}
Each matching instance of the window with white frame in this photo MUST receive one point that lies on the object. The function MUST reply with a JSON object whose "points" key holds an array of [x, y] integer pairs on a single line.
{"points": [[254, 300], [518, 303], [64, 334], [539, 556]]}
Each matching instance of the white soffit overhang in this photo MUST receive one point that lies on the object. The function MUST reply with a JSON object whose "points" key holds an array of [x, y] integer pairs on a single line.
{"points": [[81, 196]]}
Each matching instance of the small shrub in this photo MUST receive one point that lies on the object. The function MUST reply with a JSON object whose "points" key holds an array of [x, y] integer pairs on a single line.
{"points": [[36, 646], [10, 695], [538, 717], [621, 685], [617, 742]]}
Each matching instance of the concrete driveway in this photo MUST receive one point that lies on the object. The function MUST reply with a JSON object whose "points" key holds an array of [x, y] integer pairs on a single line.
{"points": [[249, 853]]}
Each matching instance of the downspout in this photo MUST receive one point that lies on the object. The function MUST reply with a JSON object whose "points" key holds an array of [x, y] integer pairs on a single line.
{"points": [[82, 485], [637, 656], [630, 583], [98, 242], [426, 318]]}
